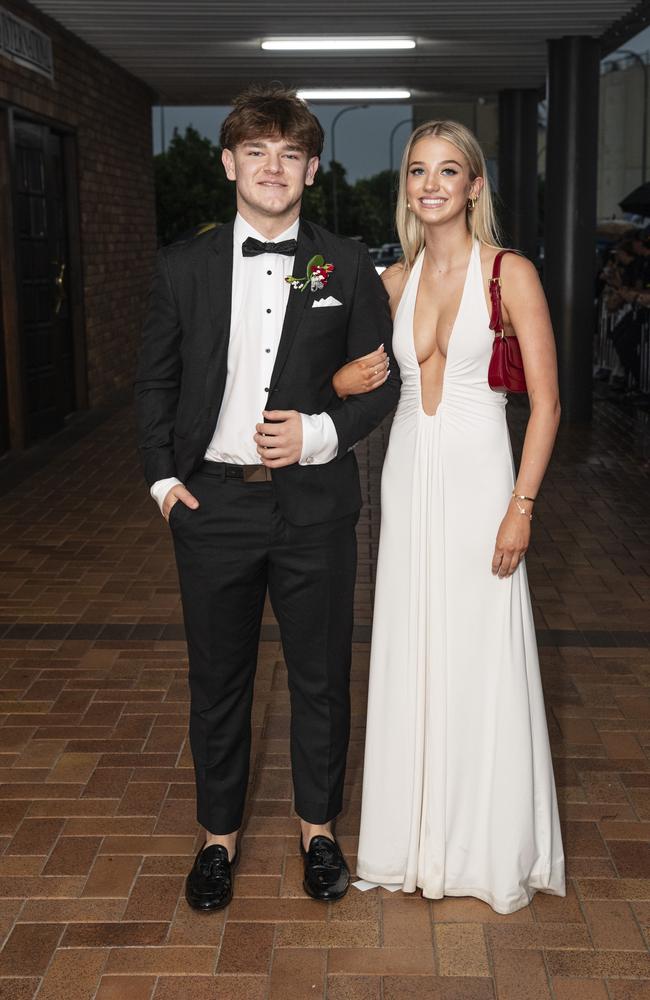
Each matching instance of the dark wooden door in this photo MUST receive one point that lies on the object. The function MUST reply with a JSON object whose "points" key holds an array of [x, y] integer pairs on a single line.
{"points": [[4, 408], [42, 266]]}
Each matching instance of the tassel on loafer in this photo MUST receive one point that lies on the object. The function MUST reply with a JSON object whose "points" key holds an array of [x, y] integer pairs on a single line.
{"points": [[327, 876], [209, 885]]}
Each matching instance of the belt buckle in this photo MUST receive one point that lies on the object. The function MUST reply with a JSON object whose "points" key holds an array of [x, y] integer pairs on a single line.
{"points": [[256, 474]]}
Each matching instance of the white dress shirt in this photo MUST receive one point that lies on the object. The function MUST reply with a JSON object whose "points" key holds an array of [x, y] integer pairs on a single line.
{"points": [[259, 300]]}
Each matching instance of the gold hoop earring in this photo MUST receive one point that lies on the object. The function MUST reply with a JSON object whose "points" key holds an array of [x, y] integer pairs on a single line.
{"points": [[471, 204], [408, 205]]}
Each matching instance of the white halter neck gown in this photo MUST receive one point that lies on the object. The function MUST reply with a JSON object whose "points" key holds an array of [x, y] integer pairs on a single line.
{"points": [[458, 791]]}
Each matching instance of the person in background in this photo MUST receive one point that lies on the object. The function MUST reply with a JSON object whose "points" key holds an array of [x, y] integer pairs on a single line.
{"points": [[626, 279]]}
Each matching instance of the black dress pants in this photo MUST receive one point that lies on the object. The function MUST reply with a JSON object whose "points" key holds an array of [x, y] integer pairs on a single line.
{"points": [[228, 551], [626, 337]]}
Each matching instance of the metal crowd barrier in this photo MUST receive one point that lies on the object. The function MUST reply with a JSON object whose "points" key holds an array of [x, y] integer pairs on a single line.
{"points": [[605, 355]]}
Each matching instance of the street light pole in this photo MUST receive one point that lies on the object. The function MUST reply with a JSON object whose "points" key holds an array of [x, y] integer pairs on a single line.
{"points": [[335, 203], [391, 161], [644, 129]]}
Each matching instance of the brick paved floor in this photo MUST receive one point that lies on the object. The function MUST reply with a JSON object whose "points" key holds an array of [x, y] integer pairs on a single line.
{"points": [[97, 824]]}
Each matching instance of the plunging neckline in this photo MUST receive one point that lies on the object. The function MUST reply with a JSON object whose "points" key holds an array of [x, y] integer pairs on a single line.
{"points": [[420, 262]]}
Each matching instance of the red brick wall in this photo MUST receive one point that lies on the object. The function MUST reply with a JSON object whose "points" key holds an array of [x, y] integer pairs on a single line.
{"points": [[111, 114]]}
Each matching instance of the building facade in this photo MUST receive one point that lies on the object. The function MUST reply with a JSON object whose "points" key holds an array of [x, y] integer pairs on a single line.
{"points": [[624, 101], [77, 224]]}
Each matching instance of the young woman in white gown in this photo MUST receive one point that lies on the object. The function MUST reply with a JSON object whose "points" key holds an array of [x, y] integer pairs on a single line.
{"points": [[458, 791]]}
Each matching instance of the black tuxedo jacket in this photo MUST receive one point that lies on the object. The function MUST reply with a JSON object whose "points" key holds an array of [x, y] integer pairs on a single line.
{"points": [[182, 367]]}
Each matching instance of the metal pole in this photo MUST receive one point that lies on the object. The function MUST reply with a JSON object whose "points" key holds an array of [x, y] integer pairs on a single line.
{"points": [[335, 203], [391, 160], [644, 128]]}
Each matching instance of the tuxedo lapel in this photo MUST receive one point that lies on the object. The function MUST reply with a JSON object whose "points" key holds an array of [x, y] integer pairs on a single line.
{"points": [[297, 300], [219, 283]]}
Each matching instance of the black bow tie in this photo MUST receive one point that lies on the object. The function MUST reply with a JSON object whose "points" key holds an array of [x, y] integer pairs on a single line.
{"points": [[252, 247]]}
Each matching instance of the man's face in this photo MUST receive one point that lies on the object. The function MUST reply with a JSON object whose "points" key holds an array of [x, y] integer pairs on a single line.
{"points": [[270, 175]]}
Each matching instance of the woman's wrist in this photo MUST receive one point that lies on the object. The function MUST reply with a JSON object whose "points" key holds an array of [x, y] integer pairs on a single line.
{"points": [[523, 504]]}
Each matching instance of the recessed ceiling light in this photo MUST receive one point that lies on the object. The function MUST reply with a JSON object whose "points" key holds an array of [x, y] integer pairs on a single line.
{"points": [[354, 95], [313, 44]]}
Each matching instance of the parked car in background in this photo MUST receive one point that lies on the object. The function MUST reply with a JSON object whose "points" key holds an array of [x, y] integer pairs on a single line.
{"points": [[385, 255]]}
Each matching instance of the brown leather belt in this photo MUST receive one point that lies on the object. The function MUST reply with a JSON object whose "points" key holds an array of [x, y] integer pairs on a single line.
{"points": [[247, 473], [254, 473]]}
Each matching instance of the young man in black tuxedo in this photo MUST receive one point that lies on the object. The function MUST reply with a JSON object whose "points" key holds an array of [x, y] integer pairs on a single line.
{"points": [[247, 449]]}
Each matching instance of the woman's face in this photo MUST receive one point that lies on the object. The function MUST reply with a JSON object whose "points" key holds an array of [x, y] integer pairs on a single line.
{"points": [[439, 183]]}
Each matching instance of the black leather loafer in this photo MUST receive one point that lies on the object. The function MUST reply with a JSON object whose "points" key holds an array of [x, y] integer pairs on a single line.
{"points": [[327, 876], [209, 885]]}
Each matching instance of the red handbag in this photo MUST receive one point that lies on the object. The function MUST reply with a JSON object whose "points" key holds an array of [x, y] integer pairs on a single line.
{"points": [[506, 371]]}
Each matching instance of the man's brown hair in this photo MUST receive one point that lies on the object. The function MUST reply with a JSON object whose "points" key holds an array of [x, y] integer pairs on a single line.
{"points": [[263, 111]]}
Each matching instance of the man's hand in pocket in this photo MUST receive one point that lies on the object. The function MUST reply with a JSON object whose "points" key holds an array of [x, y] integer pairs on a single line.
{"points": [[178, 494]]}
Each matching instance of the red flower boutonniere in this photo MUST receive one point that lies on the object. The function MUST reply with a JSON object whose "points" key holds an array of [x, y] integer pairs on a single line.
{"points": [[317, 276]]}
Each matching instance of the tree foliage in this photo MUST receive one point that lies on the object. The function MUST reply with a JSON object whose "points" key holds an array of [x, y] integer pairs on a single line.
{"points": [[192, 189], [191, 186]]}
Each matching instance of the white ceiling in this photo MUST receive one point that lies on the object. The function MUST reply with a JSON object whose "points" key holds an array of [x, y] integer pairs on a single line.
{"points": [[205, 51]]}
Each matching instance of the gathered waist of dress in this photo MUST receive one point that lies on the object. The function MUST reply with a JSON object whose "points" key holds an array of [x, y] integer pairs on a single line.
{"points": [[465, 396]]}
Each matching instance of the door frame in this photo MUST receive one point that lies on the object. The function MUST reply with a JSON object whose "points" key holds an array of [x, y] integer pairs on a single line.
{"points": [[11, 309]]}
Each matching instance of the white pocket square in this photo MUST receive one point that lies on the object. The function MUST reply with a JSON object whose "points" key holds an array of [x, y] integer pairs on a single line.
{"points": [[329, 301]]}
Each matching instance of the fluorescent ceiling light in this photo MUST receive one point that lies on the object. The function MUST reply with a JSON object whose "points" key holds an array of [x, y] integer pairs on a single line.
{"points": [[354, 95], [311, 44]]}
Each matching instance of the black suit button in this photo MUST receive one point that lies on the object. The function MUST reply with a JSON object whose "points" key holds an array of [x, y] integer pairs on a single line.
{"points": [[266, 388], [268, 310]]}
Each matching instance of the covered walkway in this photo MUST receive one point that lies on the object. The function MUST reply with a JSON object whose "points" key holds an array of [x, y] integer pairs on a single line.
{"points": [[97, 825]]}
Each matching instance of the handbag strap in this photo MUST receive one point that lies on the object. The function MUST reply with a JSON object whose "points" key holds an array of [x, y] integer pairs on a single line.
{"points": [[496, 319]]}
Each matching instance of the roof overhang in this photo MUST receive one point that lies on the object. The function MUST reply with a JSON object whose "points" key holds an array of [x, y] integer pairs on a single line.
{"points": [[198, 52]]}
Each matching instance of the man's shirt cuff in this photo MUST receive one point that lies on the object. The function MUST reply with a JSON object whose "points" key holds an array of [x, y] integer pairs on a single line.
{"points": [[161, 488], [320, 442]]}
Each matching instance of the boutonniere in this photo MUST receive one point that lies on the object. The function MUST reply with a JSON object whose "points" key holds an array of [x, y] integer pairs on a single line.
{"points": [[317, 276]]}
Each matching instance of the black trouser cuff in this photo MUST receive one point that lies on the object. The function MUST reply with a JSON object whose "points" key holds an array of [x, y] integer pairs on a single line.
{"points": [[319, 813], [221, 823]]}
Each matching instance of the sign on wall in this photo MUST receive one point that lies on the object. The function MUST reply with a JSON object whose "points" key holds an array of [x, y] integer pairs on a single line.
{"points": [[24, 44]]}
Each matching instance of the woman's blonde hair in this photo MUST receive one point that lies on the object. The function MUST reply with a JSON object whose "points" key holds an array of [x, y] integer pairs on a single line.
{"points": [[481, 221]]}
